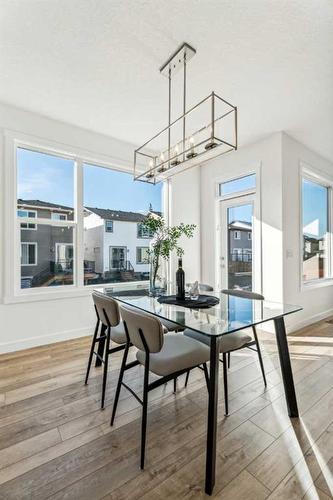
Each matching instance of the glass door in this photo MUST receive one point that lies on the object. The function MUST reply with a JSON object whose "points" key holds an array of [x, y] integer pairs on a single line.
{"points": [[237, 235], [118, 257]]}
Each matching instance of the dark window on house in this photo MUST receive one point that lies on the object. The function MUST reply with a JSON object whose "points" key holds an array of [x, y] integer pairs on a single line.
{"points": [[142, 256], [109, 226], [144, 232], [58, 216], [26, 214], [28, 254]]}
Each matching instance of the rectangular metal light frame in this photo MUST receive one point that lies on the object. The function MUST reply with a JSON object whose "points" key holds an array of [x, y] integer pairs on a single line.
{"points": [[152, 176]]}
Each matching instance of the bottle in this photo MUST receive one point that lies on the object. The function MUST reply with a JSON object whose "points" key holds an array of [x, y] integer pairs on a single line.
{"points": [[180, 281]]}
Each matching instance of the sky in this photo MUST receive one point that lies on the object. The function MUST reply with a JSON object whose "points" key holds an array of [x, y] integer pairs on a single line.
{"points": [[315, 207], [51, 178]]}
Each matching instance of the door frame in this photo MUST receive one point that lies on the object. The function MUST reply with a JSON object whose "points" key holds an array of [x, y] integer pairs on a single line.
{"points": [[257, 225], [224, 239]]}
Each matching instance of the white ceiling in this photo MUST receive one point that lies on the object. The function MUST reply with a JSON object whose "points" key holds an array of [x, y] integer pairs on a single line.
{"points": [[94, 63]]}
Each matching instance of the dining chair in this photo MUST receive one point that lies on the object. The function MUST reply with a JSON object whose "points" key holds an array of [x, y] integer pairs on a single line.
{"points": [[111, 329], [232, 342], [167, 356]]}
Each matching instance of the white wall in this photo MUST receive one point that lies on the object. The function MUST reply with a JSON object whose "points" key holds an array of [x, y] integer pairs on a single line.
{"points": [[263, 157], [185, 207], [317, 302], [40, 322]]}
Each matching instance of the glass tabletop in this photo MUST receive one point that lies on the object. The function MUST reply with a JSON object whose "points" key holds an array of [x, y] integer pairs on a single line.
{"points": [[229, 315]]}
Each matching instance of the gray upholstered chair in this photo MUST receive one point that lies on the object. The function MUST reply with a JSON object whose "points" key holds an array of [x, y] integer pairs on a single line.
{"points": [[232, 342], [167, 356], [111, 329]]}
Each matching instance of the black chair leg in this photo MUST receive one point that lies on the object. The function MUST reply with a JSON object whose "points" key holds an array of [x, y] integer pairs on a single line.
{"points": [[175, 385], [91, 351], [206, 375], [225, 381], [101, 345], [187, 377], [106, 362], [259, 355], [229, 359], [144, 415], [120, 379]]}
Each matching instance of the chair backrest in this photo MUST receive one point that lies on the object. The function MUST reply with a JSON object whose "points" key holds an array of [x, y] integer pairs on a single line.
{"points": [[110, 306], [149, 325], [244, 294]]}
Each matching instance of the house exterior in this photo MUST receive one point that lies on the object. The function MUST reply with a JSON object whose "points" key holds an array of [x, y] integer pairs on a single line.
{"points": [[46, 251], [240, 241], [118, 244], [240, 255]]}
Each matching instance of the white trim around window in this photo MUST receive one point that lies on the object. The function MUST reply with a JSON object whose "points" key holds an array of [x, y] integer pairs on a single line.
{"points": [[28, 244], [29, 226], [314, 175], [13, 293]]}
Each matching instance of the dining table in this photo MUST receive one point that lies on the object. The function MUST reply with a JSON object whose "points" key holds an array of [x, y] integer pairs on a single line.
{"points": [[229, 314]]}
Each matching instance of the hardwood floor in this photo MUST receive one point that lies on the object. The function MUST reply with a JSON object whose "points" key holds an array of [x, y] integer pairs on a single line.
{"points": [[56, 443]]}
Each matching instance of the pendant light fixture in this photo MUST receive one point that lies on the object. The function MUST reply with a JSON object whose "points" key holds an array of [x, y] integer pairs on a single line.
{"points": [[182, 144]]}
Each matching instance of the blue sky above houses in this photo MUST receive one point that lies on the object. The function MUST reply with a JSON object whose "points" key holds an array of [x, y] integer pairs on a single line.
{"points": [[51, 178]]}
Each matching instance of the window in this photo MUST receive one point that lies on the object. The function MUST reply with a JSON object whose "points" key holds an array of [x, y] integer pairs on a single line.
{"points": [[32, 214], [58, 216], [45, 181], [237, 235], [144, 232], [47, 186], [109, 226], [28, 254], [246, 183], [111, 196], [142, 256], [316, 230], [249, 235]]}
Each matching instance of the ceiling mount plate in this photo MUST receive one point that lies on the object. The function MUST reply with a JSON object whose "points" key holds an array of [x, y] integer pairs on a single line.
{"points": [[176, 60]]}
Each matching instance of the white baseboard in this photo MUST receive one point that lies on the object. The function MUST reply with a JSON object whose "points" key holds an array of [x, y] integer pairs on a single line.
{"points": [[309, 321], [18, 345]]}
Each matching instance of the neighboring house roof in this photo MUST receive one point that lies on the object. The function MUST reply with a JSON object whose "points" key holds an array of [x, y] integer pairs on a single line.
{"points": [[43, 204], [241, 225], [108, 214]]}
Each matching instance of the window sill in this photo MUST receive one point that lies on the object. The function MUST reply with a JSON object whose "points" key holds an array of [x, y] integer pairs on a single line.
{"points": [[35, 295], [310, 285]]}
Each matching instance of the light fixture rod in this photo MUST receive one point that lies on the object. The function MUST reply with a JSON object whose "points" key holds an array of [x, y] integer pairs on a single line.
{"points": [[184, 107], [169, 120]]}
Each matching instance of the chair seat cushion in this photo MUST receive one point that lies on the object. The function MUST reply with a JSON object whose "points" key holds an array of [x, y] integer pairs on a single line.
{"points": [[118, 334], [229, 341], [178, 353]]}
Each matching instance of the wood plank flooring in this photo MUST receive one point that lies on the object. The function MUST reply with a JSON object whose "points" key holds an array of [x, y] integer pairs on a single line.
{"points": [[55, 442]]}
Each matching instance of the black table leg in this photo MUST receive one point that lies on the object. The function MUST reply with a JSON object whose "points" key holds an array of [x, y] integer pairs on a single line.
{"points": [[101, 345], [212, 414], [287, 374]]}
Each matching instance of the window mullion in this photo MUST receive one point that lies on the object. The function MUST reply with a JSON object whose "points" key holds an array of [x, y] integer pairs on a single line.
{"points": [[79, 216]]}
